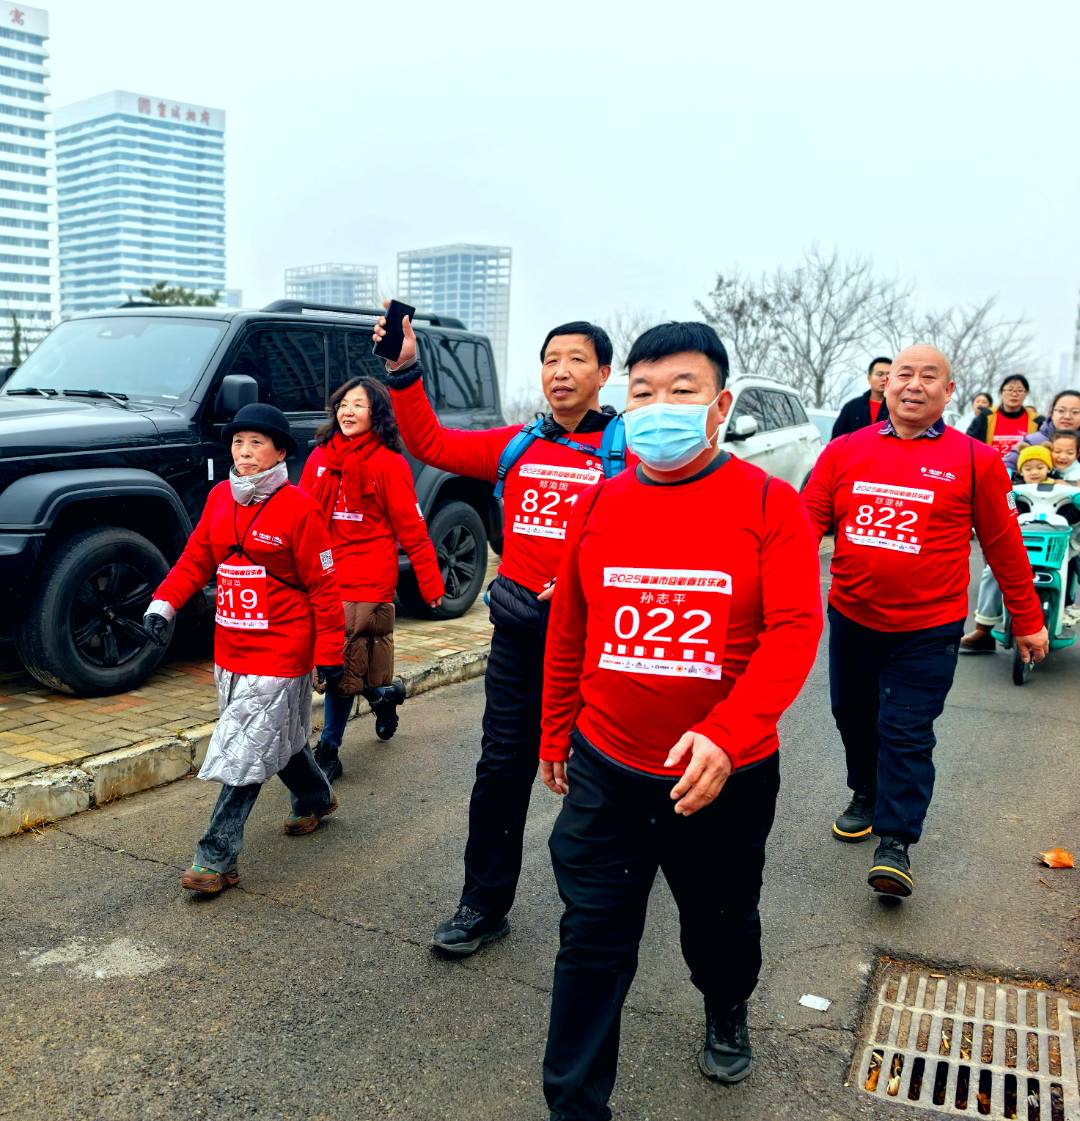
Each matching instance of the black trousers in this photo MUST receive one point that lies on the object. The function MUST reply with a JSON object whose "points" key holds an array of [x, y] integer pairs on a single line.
{"points": [[510, 748], [887, 689], [615, 829]]}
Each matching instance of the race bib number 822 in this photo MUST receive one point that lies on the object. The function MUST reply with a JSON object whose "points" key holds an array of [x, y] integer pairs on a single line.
{"points": [[666, 621], [888, 517]]}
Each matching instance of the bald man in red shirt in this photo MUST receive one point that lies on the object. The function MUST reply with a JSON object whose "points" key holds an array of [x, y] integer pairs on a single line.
{"points": [[903, 496]]}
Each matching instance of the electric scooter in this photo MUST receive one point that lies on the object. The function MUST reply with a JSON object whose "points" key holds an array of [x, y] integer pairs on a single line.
{"points": [[1048, 513]]}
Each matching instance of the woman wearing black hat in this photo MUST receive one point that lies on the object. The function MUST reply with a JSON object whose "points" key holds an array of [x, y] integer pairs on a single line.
{"points": [[278, 614]]}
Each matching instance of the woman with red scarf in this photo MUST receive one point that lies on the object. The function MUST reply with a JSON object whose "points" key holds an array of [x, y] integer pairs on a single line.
{"points": [[357, 473]]}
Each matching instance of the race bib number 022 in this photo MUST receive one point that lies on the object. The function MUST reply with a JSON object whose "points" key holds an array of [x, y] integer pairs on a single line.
{"points": [[241, 597], [544, 506], [888, 517], [665, 621]]}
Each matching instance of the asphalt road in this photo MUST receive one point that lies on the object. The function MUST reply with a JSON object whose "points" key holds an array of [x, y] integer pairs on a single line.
{"points": [[311, 991]]}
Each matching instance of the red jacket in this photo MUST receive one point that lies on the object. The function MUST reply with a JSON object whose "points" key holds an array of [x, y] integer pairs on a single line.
{"points": [[365, 541], [689, 607], [903, 512], [539, 493], [263, 625]]}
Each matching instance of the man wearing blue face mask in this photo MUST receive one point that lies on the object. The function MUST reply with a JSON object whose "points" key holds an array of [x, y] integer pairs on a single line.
{"points": [[685, 618]]}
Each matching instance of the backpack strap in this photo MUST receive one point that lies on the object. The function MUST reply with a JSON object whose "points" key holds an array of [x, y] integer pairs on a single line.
{"points": [[613, 447], [612, 451], [513, 451]]}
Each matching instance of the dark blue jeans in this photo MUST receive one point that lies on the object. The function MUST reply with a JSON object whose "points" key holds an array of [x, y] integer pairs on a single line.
{"points": [[887, 689], [335, 716], [223, 840]]}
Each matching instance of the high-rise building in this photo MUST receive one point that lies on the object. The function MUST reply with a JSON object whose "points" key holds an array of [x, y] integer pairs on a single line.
{"points": [[471, 282], [140, 196], [27, 234], [345, 285]]}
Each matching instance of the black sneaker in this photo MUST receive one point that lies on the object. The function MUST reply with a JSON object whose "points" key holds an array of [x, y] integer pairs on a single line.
{"points": [[856, 823], [725, 1055], [891, 873], [384, 701], [468, 930], [326, 755]]}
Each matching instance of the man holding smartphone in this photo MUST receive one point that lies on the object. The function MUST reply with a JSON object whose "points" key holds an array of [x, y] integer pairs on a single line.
{"points": [[542, 470]]}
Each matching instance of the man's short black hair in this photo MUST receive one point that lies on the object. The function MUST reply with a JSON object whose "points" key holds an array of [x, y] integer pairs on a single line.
{"points": [[666, 339], [877, 362], [600, 341], [1014, 377]]}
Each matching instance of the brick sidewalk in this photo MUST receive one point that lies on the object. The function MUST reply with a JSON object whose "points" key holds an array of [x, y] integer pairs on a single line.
{"points": [[40, 728]]}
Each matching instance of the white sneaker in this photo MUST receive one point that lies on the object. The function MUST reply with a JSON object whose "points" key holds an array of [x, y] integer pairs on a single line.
{"points": [[1071, 616]]}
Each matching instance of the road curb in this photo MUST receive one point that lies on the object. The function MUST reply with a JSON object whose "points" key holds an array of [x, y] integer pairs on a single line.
{"points": [[59, 792]]}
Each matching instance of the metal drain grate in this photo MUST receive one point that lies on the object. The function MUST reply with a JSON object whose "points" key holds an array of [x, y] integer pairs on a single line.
{"points": [[971, 1047]]}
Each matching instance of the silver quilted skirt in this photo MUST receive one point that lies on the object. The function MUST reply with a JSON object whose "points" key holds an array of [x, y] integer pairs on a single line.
{"points": [[264, 722]]}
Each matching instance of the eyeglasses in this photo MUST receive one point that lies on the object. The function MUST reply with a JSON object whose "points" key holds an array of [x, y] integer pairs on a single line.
{"points": [[355, 408]]}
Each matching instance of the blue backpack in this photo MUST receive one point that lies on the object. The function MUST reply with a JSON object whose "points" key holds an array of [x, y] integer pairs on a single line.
{"points": [[612, 450]]}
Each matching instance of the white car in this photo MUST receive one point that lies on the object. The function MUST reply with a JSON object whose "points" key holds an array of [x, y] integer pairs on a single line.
{"points": [[766, 425]]}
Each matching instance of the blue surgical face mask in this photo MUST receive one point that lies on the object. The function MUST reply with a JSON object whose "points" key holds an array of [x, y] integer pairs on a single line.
{"points": [[667, 436]]}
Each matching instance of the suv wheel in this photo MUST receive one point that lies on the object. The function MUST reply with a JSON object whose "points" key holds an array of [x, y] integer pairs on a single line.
{"points": [[461, 546], [82, 630]]}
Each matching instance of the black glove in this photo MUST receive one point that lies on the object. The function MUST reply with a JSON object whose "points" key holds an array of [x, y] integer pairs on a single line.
{"points": [[155, 626], [330, 676]]}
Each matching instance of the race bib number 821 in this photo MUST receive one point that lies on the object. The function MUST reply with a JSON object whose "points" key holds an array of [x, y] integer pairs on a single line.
{"points": [[666, 621], [544, 507]]}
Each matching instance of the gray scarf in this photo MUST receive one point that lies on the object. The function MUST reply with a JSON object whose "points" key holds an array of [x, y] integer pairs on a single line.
{"points": [[248, 489]]}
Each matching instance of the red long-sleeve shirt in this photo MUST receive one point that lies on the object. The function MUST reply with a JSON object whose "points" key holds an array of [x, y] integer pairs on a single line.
{"points": [[539, 492], [263, 625], [903, 512], [365, 541], [680, 608]]}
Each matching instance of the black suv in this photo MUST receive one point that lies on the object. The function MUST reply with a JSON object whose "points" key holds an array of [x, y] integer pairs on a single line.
{"points": [[110, 441]]}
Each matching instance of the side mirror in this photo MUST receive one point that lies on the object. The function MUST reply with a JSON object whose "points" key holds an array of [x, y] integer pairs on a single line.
{"points": [[745, 427], [6, 372], [237, 390]]}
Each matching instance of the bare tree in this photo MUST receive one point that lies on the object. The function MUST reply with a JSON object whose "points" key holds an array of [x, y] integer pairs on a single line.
{"points": [[623, 329], [981, 346], [523, 405], [826, 311], [742, 312]]}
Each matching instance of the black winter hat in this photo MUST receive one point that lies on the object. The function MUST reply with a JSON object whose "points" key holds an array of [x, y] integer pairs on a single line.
{"points": [[265, 419]]}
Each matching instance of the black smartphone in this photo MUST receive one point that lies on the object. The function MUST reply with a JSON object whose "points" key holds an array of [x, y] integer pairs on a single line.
{"points": [[389, 347]]}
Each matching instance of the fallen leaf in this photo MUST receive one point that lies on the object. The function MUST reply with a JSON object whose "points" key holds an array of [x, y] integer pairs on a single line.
{"points": [[1056, 858], [874, 1073]]}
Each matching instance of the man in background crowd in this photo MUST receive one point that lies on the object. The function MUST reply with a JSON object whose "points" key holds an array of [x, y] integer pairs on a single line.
{"points": [[861, 412]]}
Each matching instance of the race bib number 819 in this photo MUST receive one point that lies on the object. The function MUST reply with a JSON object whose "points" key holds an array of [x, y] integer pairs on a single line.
{"points": [[665, 621], [888, 517], [241, 597]]}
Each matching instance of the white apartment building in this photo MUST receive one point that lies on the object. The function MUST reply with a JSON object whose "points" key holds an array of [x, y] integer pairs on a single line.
{"points": [[140, 196], [27, 182], [344, 285], [471, 282]]}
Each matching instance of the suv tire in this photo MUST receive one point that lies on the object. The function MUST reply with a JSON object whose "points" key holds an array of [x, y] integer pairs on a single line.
{"points": [[80, 631], [460, 540]]}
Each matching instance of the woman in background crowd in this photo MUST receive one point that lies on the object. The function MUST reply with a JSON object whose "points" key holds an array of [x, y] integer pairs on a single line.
{"points": [[1064, 416], [1008, 423], [364, 484]]}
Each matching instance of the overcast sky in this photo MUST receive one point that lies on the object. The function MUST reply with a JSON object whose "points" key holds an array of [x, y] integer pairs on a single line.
{"points": [[626, 151]]}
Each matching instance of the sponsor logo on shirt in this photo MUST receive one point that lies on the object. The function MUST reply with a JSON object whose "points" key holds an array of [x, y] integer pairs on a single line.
{"points": [[327, 559], [319, 472], [267, 538], [934, 473]]}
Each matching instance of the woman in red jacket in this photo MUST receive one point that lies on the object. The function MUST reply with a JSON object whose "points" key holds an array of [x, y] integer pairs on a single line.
{"points": [[278, 613], [363, 483]]}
